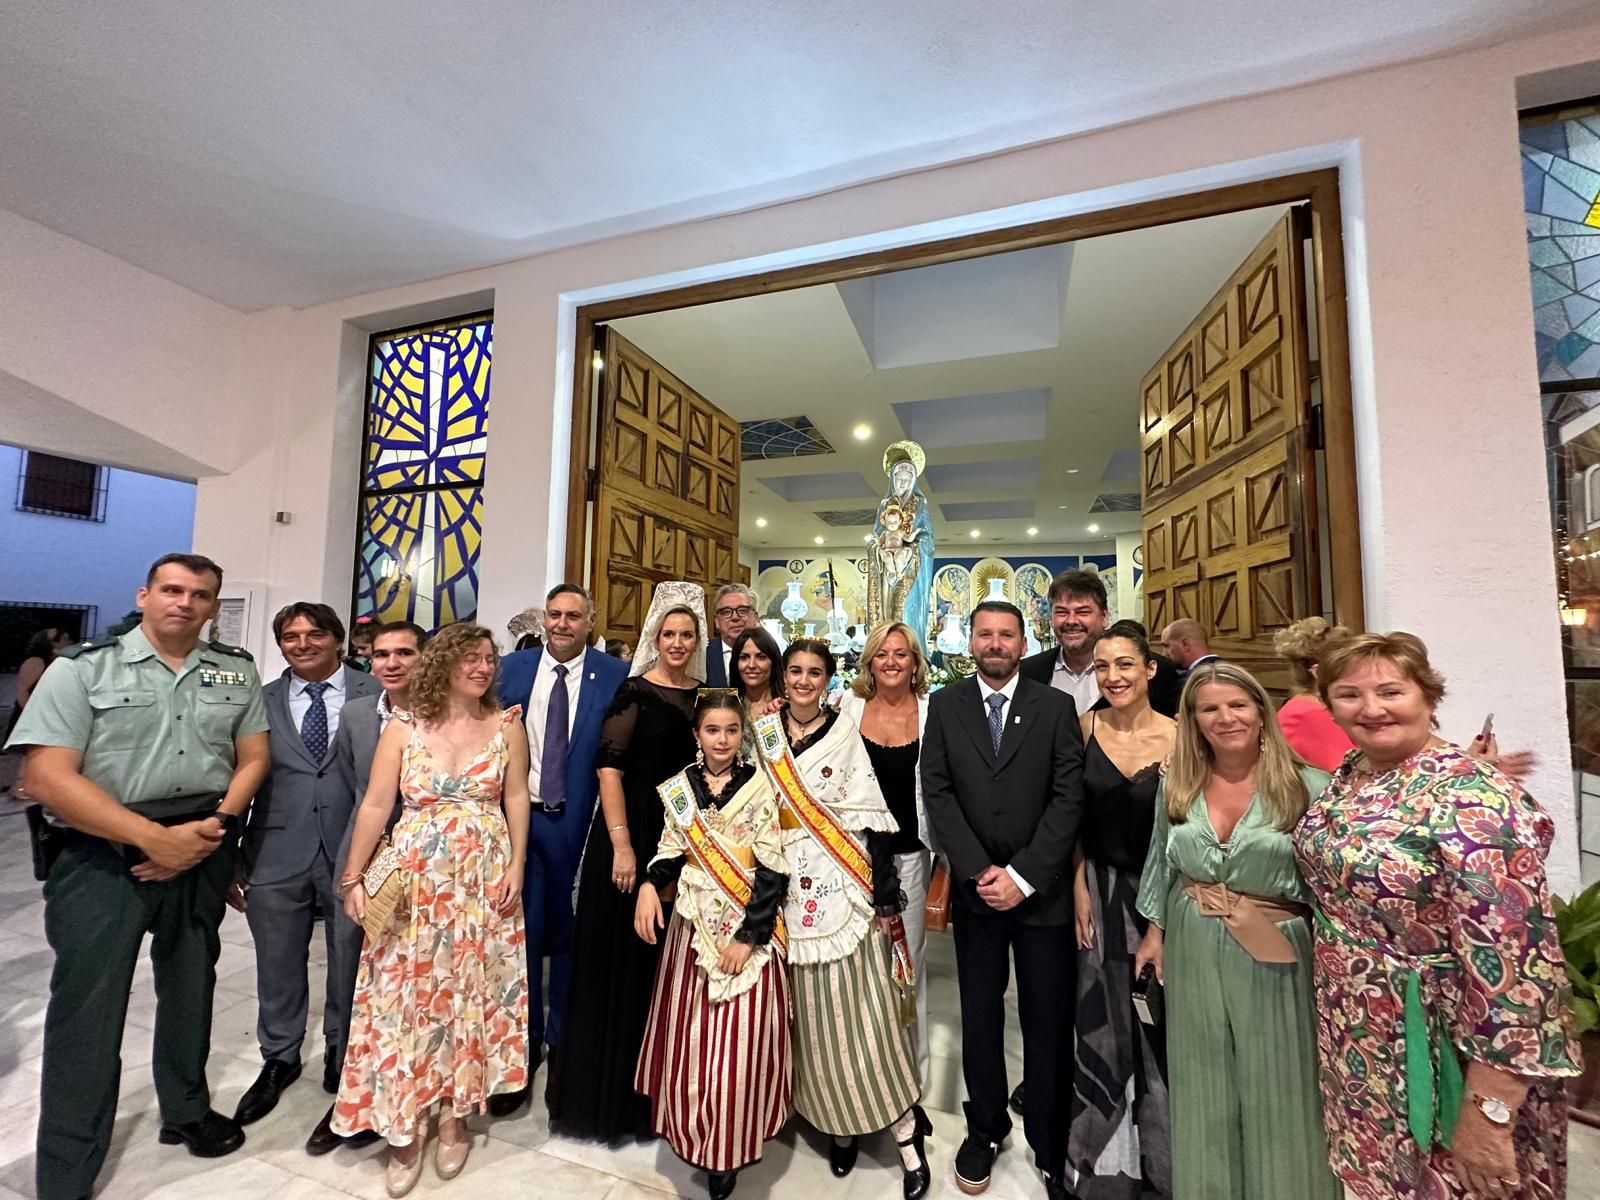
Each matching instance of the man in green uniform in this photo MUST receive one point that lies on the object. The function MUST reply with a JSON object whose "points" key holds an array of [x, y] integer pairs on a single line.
{"points": [[144, 750]]}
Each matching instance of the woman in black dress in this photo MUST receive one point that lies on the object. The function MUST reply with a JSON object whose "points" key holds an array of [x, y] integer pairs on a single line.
{"points": [[648, 737], [1119, 1143]]}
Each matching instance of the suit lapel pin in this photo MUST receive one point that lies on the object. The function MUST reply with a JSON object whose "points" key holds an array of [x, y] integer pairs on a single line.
{"points": [[1016, 720]]}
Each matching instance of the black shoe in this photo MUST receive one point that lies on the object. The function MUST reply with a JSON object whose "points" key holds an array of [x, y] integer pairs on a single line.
{"points": [[323, 1138], [331, 1067], [917, 1180], [720, 1183], [1016, 1100], [974, 1162], [842, 1159], [262, 1096], [212, 1136], [503, 1104], [1055, 1188]]}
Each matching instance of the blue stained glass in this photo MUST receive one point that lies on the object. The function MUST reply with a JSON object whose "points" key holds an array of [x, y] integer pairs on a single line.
{"points": [[1561, 196]]}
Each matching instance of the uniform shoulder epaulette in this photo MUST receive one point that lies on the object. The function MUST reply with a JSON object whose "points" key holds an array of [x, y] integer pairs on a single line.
{"points": [[236, 651], [87, 647]]}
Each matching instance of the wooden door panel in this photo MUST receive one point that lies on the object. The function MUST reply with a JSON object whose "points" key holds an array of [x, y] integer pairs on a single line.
{"points": [[667, 500], [1229, 535]]}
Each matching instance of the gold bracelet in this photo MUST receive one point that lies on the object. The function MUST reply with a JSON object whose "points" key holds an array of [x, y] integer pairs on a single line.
{"points": [[614, 828], [346, 884]]}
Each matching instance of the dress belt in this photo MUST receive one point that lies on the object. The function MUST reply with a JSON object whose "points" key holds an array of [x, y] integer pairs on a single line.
{"points": [[1252, 920]]}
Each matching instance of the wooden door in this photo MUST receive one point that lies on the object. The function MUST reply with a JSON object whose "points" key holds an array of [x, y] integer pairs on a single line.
{"points": [[1229, 493], [666, 487]]}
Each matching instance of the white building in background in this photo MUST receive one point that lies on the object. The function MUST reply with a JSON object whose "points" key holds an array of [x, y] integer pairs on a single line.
{"points": [[76, 540]]}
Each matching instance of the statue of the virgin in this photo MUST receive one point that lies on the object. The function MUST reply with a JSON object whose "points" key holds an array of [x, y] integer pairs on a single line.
{"points": [[900, 582]]}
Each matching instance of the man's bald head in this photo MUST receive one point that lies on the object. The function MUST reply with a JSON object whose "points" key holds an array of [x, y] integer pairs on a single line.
{"points": [[1184, 641]]}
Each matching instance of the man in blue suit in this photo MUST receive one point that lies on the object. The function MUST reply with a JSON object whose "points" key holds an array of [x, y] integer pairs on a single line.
{"points": [[733, 610], [564, 689]]}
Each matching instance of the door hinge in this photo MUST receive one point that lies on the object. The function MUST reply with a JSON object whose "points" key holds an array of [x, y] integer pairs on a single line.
{"points": [[591, 485], [1316, 438]]}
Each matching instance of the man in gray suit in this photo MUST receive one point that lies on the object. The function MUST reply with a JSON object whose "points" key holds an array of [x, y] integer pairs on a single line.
{"points": [[291, 847], [394, 652]]}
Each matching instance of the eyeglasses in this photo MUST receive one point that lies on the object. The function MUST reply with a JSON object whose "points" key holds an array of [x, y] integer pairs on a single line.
{"points": [[479, 660], [742, 610]]}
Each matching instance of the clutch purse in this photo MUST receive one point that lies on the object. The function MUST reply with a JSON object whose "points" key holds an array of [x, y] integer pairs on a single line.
{"points": [[1147, 996], [382, 883], [936, 910]]}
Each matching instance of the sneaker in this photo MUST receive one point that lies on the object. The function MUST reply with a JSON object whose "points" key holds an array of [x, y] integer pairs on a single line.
{"points": [[974, 1161]]}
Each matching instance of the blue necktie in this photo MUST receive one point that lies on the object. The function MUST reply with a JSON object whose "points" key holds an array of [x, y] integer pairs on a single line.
{"points": [[314, 728], [997, 723], [553, 757]]}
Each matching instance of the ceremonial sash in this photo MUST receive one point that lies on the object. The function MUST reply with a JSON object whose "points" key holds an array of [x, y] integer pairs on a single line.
{"points": [[814, 817], [709, 854]]}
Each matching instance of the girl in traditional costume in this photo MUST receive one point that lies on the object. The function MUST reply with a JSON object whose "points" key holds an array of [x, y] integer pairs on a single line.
{"points": [[849, 968], [715, 1062]]}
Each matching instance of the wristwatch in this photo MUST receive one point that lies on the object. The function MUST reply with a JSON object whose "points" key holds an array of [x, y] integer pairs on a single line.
{"points": [[1493, 1108]]}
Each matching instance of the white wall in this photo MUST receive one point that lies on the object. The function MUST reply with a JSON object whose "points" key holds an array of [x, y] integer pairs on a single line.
{"points": [[1441, 344], [61, 560]]}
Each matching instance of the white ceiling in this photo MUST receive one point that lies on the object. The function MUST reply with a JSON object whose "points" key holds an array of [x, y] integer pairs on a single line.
{"points": [[798, 353], [298, 151]]}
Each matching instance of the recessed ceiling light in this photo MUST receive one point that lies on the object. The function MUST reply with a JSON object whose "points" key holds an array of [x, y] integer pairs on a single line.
{"points": [[974, 533], [1092, 529], [867, 538], [1062, 507], [861, 432], [761, 522], [1033, 531], [1072, 470], [818, 539]]}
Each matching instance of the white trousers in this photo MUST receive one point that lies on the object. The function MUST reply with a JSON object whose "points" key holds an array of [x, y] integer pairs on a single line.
{"points": [[914, 872]]}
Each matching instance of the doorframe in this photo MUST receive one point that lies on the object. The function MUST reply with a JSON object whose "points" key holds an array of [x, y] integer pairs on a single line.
{"points": [[1317, 189]]}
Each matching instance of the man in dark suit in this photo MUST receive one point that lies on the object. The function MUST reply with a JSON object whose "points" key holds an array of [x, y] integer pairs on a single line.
{"points": [[1002, 776], [1078, 615], [733, 610], [564, 689], [1185, 643], [291, 849], [393, 650]]}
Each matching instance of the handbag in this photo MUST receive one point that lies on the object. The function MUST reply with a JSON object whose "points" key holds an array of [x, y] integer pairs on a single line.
{"points": [[936, 909], [382, 883]]}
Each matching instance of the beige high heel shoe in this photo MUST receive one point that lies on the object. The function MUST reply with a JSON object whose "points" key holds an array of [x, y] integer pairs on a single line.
{"points": [[449, 1160], [399, 1178]]}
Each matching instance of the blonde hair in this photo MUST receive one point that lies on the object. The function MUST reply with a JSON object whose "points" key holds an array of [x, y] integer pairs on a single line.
{"points": [[1278, 782], [430, 681], [1405, 651], [1302, 644], [865, 686]]}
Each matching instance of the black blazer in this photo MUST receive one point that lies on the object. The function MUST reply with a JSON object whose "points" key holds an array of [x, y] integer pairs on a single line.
{"points": [[1165, 688], [1019, 808], [716, 673]]}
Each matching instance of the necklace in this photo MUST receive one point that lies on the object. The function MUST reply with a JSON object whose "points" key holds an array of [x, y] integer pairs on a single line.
{"points": [[705, 769], [802, 726]]}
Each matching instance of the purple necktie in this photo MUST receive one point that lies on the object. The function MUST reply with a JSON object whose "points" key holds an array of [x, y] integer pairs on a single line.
{"points": [[553, 758]]}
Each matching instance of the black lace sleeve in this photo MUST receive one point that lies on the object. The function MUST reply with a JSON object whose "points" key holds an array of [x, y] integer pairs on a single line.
{"points": [[616, 733], [761, 914], [664, 872], [887, 898]]}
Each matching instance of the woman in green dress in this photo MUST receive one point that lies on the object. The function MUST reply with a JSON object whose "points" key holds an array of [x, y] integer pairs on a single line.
{"points": [[1230, 940]]}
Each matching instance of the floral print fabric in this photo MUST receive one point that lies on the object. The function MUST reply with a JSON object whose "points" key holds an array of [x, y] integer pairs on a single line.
{"points": [[1435, 867], [441, 1003]]}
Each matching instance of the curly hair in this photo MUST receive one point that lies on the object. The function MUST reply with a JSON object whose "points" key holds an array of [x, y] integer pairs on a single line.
{"points": [[1302, 644], [865, 684], [430, 681]]}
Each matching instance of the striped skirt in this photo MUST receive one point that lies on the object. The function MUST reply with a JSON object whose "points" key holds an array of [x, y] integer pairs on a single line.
{"points": [[717, 1075], [854, 1071]]}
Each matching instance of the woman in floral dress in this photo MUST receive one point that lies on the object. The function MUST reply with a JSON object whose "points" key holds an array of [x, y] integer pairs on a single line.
{"points": [[1443, 1029], [441, 1004]]}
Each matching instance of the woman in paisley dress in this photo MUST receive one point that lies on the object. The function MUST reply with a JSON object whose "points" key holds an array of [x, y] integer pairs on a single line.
{"points": [[1443, 1027], [440, 1017], [1230, 937], [716, 1049], [647, 737], [1119, 1143]]}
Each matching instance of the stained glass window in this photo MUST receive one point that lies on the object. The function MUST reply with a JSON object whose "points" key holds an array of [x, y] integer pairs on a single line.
{"points": [[1561, 195], [420, 521]]}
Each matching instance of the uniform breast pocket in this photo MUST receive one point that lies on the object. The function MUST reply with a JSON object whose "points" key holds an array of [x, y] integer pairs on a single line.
{"points": [[218, 713], [123, 718]]}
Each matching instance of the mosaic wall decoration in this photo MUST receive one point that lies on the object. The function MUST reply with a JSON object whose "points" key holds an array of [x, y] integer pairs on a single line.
{"points": [[422, 471], [786, 437], [1561, 196]]}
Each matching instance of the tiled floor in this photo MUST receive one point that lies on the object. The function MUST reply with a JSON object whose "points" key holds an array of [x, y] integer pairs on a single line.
{"points": [[512, 1157]]}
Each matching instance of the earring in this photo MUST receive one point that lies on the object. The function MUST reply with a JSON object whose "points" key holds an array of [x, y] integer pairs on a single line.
{"points": [[699, 758]]}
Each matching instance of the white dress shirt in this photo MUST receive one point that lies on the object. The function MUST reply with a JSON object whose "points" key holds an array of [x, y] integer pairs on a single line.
{"points": [[544, 682], [385, 712], [1009, 691], [1083, 686], [332, 700], [727, 662]]}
